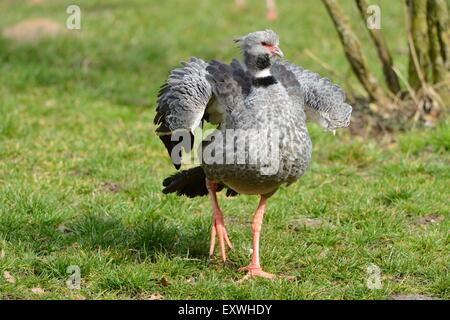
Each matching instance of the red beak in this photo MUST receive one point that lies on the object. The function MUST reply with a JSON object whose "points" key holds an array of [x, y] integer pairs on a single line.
{"points": [[274, 50]]}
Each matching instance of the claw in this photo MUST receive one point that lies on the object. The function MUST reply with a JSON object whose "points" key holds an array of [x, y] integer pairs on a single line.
{"points": [[255, 271], [218, 229], [218, 226]]}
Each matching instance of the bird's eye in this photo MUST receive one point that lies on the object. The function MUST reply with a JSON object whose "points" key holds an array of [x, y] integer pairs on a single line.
{"points": [[264, 43]]}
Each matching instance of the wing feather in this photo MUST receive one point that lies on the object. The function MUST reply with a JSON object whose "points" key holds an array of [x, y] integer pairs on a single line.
{"points": [[195, 92], [181, 103], [324, 98]]}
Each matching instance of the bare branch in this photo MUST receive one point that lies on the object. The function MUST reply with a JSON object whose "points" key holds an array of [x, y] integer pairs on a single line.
{"points": [[383, 52], [419, 33], [354, 54]]}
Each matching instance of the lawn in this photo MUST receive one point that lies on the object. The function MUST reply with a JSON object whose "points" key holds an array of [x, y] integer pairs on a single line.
{"points": [[81, 169]]}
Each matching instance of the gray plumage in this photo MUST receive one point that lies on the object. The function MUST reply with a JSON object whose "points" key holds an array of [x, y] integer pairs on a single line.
{"points": [[261, 94], [324, 98], [183, 99]]}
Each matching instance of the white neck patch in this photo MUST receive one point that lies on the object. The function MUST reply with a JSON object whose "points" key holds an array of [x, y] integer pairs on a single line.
{"points": [[263, 73]]}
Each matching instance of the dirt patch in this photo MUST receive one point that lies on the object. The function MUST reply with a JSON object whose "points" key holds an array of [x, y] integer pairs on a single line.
{"points": [[33, 30], [38, 290], [153, 296], [9, 277], [402, 296], [368, 121], [110, 187], [430, 219], [79, 173], [64, 229]]}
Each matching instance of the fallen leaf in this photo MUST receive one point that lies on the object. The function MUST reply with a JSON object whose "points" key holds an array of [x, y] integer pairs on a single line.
{"points": [[155, 296], [190, 280], [9, 277], [163, 282], [38, 290], [2, 254]]}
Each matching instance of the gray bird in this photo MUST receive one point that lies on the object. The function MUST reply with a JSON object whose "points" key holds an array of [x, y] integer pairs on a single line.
{"points": [[261, 141]]}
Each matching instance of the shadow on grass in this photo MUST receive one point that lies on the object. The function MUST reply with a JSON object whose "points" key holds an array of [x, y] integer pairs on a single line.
{"points": [[42, 224], [150, 237]]}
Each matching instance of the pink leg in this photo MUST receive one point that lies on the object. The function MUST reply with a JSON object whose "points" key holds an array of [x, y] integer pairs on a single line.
{"points": [[271, 10], [218, 226], [240, 3], [254, 269]]}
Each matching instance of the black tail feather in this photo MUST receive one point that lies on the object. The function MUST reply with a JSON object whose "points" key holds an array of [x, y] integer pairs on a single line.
{"points": [[190, 183]]}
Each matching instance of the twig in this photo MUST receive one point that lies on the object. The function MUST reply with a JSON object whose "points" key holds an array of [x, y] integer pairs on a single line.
{"points": [[412, 48], [426, 88], [408, 86]]}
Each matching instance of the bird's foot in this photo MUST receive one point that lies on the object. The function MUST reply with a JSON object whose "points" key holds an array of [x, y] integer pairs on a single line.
{"points": [[218, 228], [256, 271]]}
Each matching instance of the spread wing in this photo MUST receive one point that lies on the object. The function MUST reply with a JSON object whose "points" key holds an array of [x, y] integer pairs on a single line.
{"points": [[325, 99], [181, 105], [195, 92]]}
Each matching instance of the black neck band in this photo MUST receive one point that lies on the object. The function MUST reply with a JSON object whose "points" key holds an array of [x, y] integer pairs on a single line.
{"points": [[264, 81]]}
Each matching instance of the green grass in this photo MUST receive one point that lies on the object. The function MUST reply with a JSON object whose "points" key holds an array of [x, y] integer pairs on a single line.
{"points": [[78, 153]]}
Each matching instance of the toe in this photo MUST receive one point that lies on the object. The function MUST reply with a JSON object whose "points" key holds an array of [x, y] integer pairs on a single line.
{"points": [[261, 273], [221, 237], [227, 240], [218, 229], [212, 240], [256, 271]]}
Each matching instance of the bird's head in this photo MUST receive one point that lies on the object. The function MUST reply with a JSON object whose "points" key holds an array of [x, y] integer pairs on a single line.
{"points": [[259, 48]]}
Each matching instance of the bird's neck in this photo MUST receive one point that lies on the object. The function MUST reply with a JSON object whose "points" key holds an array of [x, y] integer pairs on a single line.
{"points": [[258, 66]]}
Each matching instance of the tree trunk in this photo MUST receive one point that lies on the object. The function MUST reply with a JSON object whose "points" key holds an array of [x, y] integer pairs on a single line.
{"points": [[437, 59], [383, 52], [438, 33], [419, 30], [443, 22], [354, 54]]}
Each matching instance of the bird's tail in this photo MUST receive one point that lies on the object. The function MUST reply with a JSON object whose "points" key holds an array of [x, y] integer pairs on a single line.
{"points": [[190, 183]]}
